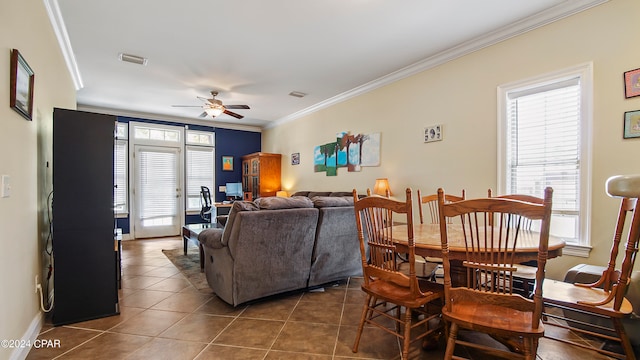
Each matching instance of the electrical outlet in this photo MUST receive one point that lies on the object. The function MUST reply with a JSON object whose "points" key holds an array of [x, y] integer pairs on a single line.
{"points": [[433, 133], [37, 284]]}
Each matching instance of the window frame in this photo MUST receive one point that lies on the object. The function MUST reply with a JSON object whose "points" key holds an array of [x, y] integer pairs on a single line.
{"points": [[192, 146], [584, 71], [121, 137]]}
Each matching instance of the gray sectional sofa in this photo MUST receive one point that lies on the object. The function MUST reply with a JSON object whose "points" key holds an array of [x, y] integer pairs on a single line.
{"points": [[274, 245]]}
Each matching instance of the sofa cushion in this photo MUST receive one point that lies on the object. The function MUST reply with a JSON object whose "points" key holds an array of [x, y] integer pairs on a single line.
{"points": [[276, 203], [318, 193], [342, 193], [301, 193], [237, 207], [332, 201]]}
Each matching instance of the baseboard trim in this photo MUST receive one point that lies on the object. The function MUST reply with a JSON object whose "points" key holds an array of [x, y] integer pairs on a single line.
{"points": [[29, 337]]}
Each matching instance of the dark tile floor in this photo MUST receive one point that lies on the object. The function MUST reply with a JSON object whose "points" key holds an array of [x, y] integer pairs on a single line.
{"points": [[163, 316]]}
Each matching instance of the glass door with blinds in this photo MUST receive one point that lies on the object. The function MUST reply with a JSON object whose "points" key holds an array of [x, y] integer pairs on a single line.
{"points": [[156, 186], [157, 191]]}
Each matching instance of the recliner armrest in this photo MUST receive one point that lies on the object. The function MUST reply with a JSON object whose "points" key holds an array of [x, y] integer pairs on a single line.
{"points": [[211, 238]]}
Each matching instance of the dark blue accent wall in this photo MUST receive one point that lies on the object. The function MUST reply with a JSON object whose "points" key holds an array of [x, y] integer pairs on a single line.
{"points": [[236, 143]]}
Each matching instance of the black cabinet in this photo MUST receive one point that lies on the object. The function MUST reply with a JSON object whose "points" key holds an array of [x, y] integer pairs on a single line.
{"points": [[85, 267]]}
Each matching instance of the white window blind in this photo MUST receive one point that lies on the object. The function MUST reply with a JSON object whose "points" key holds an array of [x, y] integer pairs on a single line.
{"points": [[157, 183], [199, 172], [120, 192], [543, 148]]}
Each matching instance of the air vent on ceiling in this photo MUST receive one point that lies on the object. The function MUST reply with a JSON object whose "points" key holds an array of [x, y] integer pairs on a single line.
{"points": [[133, 59], [297, 94]]}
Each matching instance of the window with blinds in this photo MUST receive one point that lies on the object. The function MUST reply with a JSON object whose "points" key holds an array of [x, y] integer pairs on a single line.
{"points": [[120, 191], [199, 167], [544, 145], [121, 166]]}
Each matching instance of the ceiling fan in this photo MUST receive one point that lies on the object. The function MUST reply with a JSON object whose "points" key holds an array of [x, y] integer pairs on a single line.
{"points": [[214, 107]]}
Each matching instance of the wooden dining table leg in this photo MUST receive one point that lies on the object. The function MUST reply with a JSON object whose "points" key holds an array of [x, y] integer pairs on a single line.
{"points": [[458, 273]]}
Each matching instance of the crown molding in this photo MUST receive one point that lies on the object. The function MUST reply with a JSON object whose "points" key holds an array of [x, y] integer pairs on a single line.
{"points": [[53, 10], [561, 11], [171, 118]]}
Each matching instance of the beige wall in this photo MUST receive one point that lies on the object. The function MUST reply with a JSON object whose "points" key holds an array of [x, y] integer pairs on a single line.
{"points": [[461, 95], [25, 147]]}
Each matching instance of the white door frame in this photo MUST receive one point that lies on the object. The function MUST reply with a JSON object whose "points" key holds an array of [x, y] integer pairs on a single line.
{"points": [[136, 143]]}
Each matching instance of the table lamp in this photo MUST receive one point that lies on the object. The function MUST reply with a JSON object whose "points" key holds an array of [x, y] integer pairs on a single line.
{"points": [[382, 187]]}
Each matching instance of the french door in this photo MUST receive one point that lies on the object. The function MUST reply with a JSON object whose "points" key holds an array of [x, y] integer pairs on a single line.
{"points": [[157, 191]]}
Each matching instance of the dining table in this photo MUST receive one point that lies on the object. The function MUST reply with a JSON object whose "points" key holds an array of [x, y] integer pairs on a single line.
{"points": [[428, 244]]}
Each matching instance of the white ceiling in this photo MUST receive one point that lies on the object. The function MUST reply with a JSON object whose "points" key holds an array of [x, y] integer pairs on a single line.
{"points": [[256, 52]]}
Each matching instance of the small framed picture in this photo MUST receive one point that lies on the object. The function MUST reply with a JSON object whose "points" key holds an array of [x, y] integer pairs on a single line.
{"points": [[295, 158], [632, 83], [22, 78], [227, 163], [631, 124]]}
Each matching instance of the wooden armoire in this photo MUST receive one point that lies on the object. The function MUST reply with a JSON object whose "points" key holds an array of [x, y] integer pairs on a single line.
{"points": [[260, 175]]}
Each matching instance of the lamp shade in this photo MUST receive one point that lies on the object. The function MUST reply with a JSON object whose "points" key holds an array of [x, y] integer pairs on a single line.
{"points": [[214, 110], [381, 187], [282, 193]]}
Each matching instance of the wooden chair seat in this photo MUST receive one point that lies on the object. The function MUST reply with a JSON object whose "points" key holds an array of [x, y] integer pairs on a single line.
{"points": [[400, 295], [424, 270], [573, 296], [496, 319]]}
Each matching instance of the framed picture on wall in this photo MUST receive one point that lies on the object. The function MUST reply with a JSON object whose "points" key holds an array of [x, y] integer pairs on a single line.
{"points": [[632, 83], [295, 158], [22, 79], [227, 163], [631, 124]]}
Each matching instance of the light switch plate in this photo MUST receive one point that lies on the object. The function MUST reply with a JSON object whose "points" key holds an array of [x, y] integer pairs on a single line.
{"points": [[5, 187], [433, 133]]}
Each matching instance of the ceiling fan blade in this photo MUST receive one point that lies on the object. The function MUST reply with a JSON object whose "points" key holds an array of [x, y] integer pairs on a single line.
{"points": [[204, 99], [204, 114], [237, 116], [237, 106], [186, 106]]}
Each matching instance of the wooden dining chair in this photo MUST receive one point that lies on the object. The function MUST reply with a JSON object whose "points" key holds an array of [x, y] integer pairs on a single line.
{"points": [[490, 238], [605, 298], [428, 267], [431, 203], [383, 283], [525, 275]]}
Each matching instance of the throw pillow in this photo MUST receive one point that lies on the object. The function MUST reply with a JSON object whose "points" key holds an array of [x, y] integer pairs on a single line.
{"points": [[275, 203], [332, 201]]}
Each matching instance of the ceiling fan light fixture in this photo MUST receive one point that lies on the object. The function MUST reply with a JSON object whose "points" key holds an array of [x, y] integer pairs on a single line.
{"points": [[134, 59], [214, 110]]}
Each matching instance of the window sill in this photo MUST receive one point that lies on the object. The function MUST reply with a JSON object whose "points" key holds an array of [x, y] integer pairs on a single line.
{"points": [[577, 250]]}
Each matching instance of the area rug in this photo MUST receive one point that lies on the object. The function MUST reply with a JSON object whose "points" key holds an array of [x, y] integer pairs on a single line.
{"points": [[188, 265]]}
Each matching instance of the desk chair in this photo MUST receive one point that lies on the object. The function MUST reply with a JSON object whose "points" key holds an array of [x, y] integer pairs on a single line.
{"points": [[604, 299], [206, 206], [491, 230], [389, 290]]}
